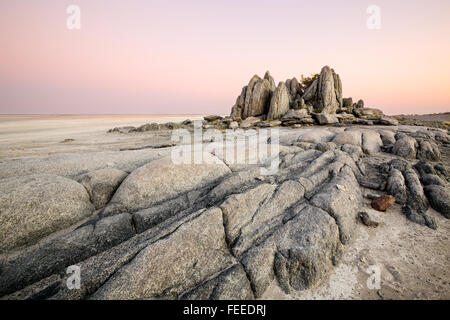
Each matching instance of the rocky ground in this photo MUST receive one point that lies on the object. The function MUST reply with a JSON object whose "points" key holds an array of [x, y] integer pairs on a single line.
{"points": [[436, 120], [339, 190], [141, 227]]}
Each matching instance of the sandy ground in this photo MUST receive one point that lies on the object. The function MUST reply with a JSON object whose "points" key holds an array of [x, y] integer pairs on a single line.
{"points": [[23, 136], [413, 260]]}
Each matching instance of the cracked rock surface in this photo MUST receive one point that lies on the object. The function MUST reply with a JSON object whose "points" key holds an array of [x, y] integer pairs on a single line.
{"points": [[212, 230]]}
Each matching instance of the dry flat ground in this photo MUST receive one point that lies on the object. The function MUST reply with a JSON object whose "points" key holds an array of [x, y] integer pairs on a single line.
{"points": [[24, 136], [414, 260]]}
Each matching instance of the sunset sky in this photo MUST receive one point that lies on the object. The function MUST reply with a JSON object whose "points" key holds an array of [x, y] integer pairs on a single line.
{"points": [[193, 57]]}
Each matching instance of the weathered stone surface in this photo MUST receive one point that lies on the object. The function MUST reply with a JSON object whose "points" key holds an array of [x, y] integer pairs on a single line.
{"points": [[310, 92], [213, 118], [368, 113], [269, 214], [239, 209], [65, 250], [295, 115], [371, 142], [329, 92], [32, 207], [307, 246], [383, 203], [342, 202], [316, 136], [231, 284], [405, 147], [347, 102], [101, 184], [360, 104], [396, 186], [431, 179], [279, 105], [268, 77], [352, 137], [73, 165], [184, 259], [428, 150], [233, 236], [249, 96], [439, 198], [162, 180], [388, 137], [250, 122], [258, 263], [261, 98], [387, 121], [234, 125], [324, 118]]}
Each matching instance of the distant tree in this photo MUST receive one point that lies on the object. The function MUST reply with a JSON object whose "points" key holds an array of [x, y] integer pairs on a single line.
{"points": [[307, 81]]}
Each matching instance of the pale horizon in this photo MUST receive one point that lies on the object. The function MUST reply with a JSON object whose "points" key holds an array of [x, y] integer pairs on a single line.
{"points": [[192, 58]]}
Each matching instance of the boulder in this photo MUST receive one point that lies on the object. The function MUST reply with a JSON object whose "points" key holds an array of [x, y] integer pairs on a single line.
{"points": [[295, 115], [383, 203], [360, 104], [32, 207], [405, 147], [261, 99], [347, 102], [439, 198], [395, 186], [212, 118], [371, 142], [250, 122], [387, 121], [257, 97], [428, 150], [161, 180], [325, 118], [101, 184], [279, 105], [268, 77], [388, 137], [310, 92], [352, 137], [370, 113], [329, 92], [316, 136], [432, 179]]}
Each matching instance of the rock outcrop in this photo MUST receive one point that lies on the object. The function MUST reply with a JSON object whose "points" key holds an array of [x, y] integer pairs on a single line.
{"points": [[32, 207], [210, 231], [279, 104], [321, 99]]}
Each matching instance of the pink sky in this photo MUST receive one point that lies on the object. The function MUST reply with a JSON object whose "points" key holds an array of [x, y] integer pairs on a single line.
{"points": [[195, 56]]}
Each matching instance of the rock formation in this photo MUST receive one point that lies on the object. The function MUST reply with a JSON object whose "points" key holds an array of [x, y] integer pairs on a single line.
{"points": [[322, 99], [214, 230]]}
